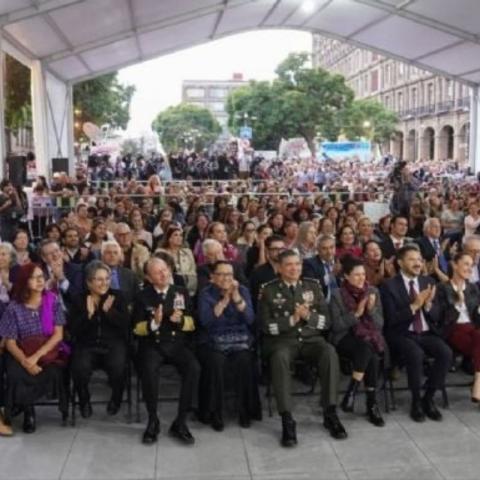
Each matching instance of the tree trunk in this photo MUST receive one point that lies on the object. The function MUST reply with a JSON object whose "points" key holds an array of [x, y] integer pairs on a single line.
{"points": [[311, 146]]}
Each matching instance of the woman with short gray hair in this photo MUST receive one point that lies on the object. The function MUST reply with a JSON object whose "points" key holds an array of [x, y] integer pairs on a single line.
{"points": [[99, 326]]}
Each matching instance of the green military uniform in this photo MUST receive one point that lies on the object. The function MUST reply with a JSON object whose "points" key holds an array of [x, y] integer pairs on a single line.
{"points": [[284, 342]]}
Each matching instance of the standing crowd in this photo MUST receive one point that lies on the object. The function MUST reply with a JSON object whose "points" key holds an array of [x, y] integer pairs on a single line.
{"points": [[231, 286]]}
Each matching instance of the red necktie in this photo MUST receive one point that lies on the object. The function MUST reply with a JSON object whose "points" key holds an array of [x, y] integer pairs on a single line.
{"points": [[397, 245], [417, 318]]}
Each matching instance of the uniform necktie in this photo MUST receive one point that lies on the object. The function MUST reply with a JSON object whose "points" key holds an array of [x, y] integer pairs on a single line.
{"points": [[417, 318]]}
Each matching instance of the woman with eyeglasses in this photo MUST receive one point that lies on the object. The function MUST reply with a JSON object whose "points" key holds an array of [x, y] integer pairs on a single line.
{"points": [[99, 327], [226, 344], [32, 326], [172, 243]]}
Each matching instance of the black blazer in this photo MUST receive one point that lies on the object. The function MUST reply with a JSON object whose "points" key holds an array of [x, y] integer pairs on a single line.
{"points": [[260, 275], [426, 248], [396, 306], [445, 300], [129, 284], [314, 268], [102, 326], [388, 249]]}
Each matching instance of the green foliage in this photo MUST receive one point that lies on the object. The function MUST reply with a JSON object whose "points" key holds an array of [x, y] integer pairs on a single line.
{"points": [[18, 101], [103, 100], [186, 125], [367, 118], [300, 102]]}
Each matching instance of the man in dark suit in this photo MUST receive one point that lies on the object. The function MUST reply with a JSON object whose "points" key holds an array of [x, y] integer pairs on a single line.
{"points": [[322, 267], [268, 271], [123, 279], [410, 319], [397, 238], [432, 249], [73, 250], [163, 316], [66, 278]]}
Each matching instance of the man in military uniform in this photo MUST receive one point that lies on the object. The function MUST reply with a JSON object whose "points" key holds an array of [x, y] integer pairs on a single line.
{"points": [[293, 314], [162, 317]]}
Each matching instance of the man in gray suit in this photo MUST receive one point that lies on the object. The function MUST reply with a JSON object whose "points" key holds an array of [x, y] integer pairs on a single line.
{"points": [[123, 279]]}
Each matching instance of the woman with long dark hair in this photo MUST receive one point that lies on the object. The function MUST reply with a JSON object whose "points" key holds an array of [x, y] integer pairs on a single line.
{"points": [[32, 326]]}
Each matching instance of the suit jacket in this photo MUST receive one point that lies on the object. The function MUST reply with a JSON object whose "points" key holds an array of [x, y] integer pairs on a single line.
{"points": [[396, 306], [426, 248], [446, 298], [388, 248], [147, 301], [259, 277], [314, 268], [129, 284], [74, 275]]}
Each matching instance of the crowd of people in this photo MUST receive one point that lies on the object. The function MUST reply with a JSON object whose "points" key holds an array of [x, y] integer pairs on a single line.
{"points": [[235, 281]]}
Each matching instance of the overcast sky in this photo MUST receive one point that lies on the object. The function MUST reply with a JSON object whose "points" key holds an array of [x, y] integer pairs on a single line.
{"points": [[159, 82]]}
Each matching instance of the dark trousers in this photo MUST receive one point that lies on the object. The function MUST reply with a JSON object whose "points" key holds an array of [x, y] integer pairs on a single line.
{"points": [[241, 368], [282, 353], [411, 349], [363, 357], [465, 338], [150, 358], [24, 389], [111, 358]]}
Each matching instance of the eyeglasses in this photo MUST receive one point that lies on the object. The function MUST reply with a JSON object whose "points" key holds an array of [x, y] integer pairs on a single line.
{"points": [[223, 274], [102, 279], [40, 276]]}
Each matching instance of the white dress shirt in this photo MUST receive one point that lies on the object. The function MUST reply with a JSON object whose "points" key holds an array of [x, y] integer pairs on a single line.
{"points": [[416, 286]]}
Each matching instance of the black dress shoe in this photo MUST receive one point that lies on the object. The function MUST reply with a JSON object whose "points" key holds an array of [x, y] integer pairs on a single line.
{"points": [[416, 412], [86, 410], [374, 416], [216, 421], [333, 424], [289, 431], [431, 410], [244, 420], [29, 423], [151, 433], [181, 432], [113, 407]]}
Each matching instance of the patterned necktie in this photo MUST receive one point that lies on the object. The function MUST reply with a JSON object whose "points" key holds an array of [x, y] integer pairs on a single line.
{"points": [[417, 318]]}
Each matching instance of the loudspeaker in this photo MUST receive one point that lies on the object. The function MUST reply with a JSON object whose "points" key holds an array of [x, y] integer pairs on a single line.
{"points": [[17, 170], [60, 165]]}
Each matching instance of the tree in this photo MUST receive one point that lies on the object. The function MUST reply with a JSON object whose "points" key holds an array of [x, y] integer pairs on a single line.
{"points": [[18, 100], [367, 118], [186, 126], [300, 102], [102, 100]]}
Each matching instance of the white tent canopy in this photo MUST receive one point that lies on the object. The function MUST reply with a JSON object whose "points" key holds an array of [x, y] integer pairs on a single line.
{"points": [[66, 41]]}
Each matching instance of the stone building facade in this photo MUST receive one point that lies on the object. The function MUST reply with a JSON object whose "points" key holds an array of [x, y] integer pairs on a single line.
{"points": [[433, 111]]}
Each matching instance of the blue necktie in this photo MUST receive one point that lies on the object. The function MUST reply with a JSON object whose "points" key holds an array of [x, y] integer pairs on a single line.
{"points": [[115, 282], [442, 261]]}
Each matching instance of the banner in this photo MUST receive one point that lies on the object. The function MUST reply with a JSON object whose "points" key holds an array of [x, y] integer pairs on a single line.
{"points": [[342, 150]]}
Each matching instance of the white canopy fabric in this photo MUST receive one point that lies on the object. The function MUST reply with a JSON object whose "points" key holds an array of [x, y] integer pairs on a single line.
{"points": [[78, 39], [73, 40]]}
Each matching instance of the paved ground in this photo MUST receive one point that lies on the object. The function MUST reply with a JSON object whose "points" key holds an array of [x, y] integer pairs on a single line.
{"points": [[102, 449]]}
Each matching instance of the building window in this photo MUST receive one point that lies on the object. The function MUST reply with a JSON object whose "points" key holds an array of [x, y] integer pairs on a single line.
{"points": [[430, 98], [414, 98], [374, 81], [218, 107], [196, 92], [399, 101], [401, 69], [449, 89], [218, 92]]}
